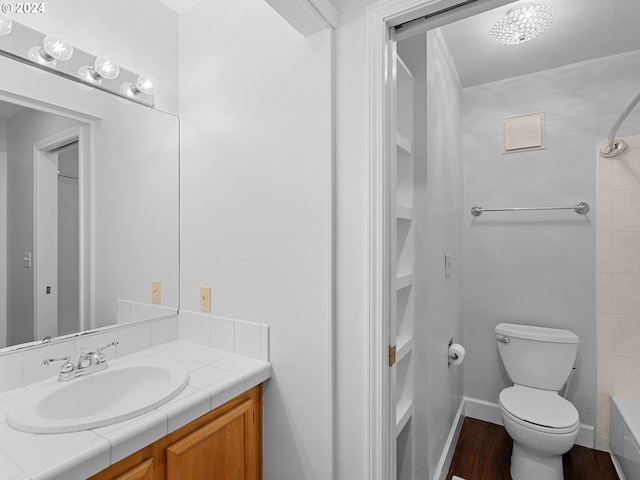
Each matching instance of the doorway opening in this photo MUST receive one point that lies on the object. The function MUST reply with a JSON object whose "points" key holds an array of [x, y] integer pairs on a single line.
{"points": [[57, 262]]}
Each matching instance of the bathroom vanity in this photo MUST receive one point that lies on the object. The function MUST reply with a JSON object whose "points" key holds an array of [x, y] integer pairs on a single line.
{"points": [[226, 443], [211, 429]]}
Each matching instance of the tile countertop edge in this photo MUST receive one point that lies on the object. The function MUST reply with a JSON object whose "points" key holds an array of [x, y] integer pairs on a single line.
{"points": [[128, 437]]}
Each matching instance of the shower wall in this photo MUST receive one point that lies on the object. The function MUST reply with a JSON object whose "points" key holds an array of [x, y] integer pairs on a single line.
{"points": [[536, 267], [618, 304]]}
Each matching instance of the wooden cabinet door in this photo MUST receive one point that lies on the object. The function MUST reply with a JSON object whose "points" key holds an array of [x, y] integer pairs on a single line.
{"points": [[142, 471], [224, 449]]}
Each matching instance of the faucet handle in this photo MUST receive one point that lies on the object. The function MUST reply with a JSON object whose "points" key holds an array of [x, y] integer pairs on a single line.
{"points": [[66, 367], [101, 355], [112, 344]]}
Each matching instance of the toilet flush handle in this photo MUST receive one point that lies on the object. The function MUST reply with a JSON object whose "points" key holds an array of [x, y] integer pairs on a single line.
{"points": [[503, 339]]}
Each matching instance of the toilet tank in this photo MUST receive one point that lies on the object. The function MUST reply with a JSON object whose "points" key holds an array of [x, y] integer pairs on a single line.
{"points": [[537, 357]]}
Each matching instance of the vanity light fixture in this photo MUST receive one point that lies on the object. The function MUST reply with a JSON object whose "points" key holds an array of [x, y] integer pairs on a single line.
{"points": [[50, 54], [522, 23], [145, 84], [6, 25], [52, 49], [103, 68]]}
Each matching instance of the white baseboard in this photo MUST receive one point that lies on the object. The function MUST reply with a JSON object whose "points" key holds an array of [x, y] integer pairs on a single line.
{"points": [[482, 410], [490, 412], [450, 446]]}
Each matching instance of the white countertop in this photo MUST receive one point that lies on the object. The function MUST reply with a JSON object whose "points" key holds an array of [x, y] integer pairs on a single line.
{"points": [[216, 376]]}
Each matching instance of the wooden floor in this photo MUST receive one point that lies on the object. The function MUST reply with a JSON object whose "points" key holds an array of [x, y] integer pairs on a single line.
{"points": [[483, 452]]}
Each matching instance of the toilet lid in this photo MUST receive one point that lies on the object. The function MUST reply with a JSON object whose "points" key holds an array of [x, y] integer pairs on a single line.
{"points": [[541, 407]]}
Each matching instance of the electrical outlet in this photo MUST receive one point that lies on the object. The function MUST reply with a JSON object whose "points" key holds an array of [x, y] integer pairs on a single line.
{"points": [[155, 292], [205, 299]]}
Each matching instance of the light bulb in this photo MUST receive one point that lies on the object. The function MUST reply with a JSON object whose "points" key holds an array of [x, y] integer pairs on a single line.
{"points": [[103, 67], [57, 48], [6, 25], [36, 56], [106, 68], [145, 84], [88, 74]]}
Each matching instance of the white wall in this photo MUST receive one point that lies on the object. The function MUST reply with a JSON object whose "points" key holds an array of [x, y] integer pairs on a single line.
{"points": [[3, 134], [136, 201], [536, 267], [23, 131], [255, 103], [352, 236], [141, 36]]}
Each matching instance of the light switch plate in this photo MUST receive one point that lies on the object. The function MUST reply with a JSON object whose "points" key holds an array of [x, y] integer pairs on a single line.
{"points": [[205, 299], [155, 292], [448, 264]]}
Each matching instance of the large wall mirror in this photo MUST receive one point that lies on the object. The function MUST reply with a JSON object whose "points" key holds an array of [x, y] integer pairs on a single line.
{"points": [[88, 208]]}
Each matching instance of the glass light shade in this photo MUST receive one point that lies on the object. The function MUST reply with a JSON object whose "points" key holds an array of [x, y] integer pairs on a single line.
{"points": [[57, 48], [146, 84], [522, 23], [88, 75], [35, 55], [107, 68], [6, 25], [127, 88]]}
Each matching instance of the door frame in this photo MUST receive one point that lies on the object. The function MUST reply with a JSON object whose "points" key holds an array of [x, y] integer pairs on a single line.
{"points": [[380, 17]]}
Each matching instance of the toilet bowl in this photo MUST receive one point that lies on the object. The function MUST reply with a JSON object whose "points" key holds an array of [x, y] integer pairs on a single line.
{"points": [[542, 424]]}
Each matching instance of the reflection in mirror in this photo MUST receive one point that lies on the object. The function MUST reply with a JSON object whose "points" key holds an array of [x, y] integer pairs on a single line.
{"points": [[88, 208]]}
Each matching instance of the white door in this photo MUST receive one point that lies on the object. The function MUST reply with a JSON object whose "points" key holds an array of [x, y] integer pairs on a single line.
{"points": [[392, 91], [401, 167]]}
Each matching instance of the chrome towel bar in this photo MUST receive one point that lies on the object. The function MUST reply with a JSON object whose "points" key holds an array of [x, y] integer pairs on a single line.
{"points": [[581, 208]]}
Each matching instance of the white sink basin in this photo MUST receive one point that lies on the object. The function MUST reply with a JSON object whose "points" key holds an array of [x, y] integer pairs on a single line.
{"points": [[122, 391]]}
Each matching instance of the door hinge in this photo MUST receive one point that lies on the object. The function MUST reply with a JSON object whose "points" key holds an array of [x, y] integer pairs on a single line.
{"points": [[392, 355]]}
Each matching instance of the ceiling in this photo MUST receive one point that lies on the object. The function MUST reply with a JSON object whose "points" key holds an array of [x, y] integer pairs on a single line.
{"points": [[581, 30], [180, 5]]}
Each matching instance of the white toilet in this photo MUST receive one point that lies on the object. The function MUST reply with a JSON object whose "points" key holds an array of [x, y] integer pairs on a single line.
{"points": [[542, 424]]}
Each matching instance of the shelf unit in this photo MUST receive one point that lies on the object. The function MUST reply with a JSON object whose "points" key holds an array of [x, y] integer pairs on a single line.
{"points": [[402, 321]]}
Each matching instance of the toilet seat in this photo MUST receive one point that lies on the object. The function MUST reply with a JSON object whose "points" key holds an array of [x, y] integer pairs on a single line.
{"points": [[537, 409]]}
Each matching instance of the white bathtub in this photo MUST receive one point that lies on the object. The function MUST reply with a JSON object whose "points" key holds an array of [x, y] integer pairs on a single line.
{"points": [[624, 436]]}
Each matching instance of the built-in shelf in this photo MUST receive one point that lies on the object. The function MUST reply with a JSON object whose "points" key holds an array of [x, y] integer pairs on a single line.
{"points": [[404, 212], [402, 262], [404, 144], [404, 345], [404, 281], [404, 412]]}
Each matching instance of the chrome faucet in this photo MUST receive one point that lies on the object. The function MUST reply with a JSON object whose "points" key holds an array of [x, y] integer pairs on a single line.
{"points": [[88, 362]]}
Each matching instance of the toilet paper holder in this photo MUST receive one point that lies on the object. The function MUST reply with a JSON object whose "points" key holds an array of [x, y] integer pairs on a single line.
{"points": [[450, 355], [454, 358]]}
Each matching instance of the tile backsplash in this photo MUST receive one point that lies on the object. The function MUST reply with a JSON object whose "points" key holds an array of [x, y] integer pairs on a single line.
{"points": [[24, 366], [618, 282]]}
